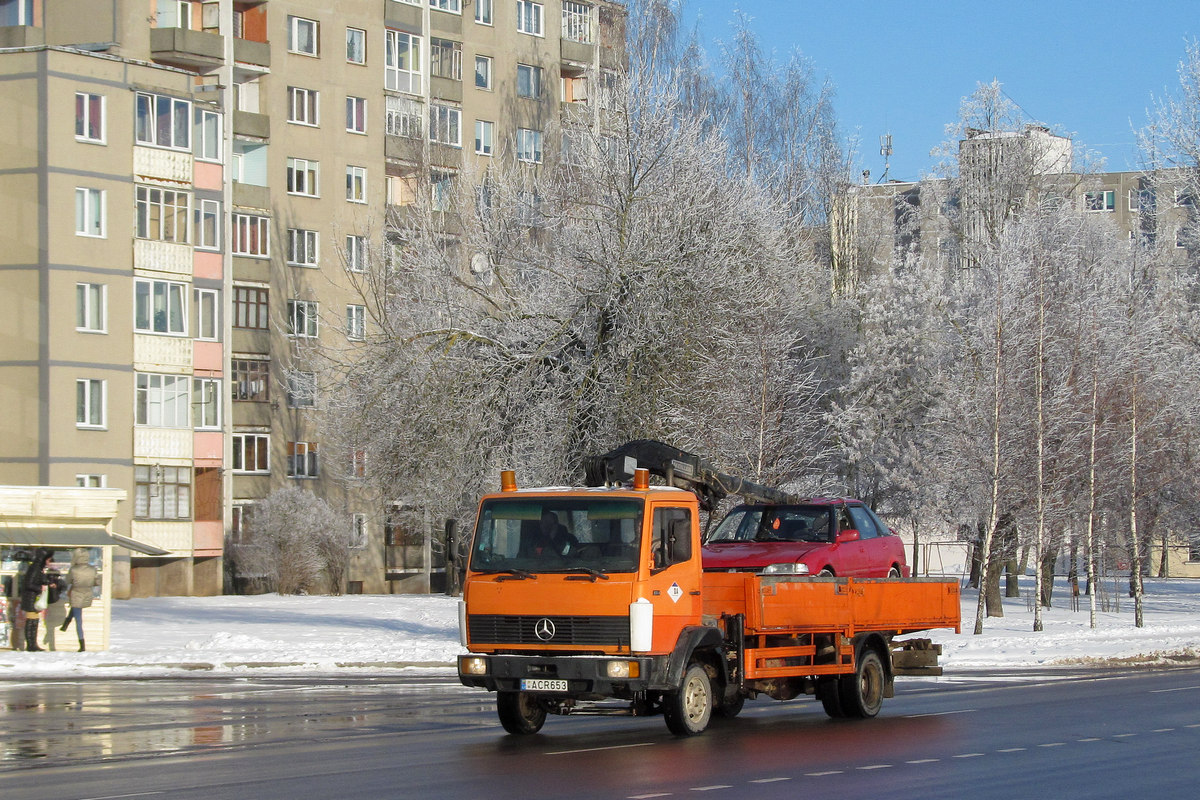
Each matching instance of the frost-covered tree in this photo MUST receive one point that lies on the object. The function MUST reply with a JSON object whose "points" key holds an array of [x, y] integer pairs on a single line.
{"points": [[294, 543]]}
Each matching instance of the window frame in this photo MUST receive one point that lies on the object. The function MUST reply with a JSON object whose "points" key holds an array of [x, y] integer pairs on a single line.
{"points": [[531, 87], [150, 482], [529, 146], [206, 414], [91, 404], [88, 106], [208, 314], [356, 114], [303, 248], [304, 106], [300, 173], [159, 403], [531, 15], [148, 130], [356, 184], [303, 319], [448, 6], [293, 36], [363, 49], [257, 445], [484, 144], [393, 72], [206, 145], [91, 300], [442, 51], [356, 322], [161, 219], [251, 304], [484, 12], [303, 461], [1101, 200], [251, 380], [356, 252], [445, 120], [205, 209], [251, 235], [175, 296], [301, 389], [487, 73], [91, 211]]}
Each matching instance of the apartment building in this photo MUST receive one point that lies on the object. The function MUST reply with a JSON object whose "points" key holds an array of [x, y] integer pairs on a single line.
{"points": [[873, 223], [231, 166]]}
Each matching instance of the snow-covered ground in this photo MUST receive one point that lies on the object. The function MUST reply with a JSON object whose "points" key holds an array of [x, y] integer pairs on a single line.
{"points": [[361, 634]]}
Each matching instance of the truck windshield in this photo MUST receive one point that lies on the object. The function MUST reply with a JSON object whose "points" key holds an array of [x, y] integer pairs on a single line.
{"points": [[543, 534], [791, 523]]}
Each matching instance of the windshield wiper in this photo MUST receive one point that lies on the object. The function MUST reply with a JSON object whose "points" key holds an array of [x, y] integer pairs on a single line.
{"points": [[589, 574], [510, 574]]}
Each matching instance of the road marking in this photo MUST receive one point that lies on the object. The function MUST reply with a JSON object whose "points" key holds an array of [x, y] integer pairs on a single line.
{"points": [[648, 796], [1013, 750], [598, 749], [822, 774], [1123, 735], [923, 761], [1090, 739], [120, 796], [1052, 744], [1162, 730], [876, 766], [969, 755], [940, 714], [1177, 689], [1197, 725], [769, 780], [710, 788]]}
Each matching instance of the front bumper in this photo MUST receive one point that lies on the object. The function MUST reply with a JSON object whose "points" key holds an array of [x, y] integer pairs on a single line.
{"points": [[587, 677]]}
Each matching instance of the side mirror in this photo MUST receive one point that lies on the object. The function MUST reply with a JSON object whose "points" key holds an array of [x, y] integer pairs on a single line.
{"points": [[849, 535], [679, 541]]}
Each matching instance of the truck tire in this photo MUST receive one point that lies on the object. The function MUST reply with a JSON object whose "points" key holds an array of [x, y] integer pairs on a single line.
{"points": [[689, 709], [862, 693], [830, 695], [730, 707], [520, 713]]}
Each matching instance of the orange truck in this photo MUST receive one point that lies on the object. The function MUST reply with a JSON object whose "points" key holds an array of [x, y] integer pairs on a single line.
{"points": [[593, 600]]}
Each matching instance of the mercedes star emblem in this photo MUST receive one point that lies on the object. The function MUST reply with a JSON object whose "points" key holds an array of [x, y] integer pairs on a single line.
{"points": [[544, 629]]}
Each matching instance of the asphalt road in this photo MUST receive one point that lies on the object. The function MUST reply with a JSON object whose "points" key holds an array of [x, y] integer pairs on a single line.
{"points": [[1057, 735]]}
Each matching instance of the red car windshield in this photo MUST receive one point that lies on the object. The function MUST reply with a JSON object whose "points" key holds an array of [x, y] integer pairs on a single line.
{"points": [[798, 523]]}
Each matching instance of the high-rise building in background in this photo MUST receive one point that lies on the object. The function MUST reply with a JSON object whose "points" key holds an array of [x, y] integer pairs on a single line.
{"points": [[188, 190]]}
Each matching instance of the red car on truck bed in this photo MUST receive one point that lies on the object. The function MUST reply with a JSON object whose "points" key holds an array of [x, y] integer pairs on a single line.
{"points": [[819, 536]]}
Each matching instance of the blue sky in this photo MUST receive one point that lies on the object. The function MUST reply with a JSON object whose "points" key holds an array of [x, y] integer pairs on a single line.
{"points": [[1086, 69]]}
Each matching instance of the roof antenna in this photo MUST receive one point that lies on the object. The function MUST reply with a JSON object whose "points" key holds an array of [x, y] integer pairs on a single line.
{"points": [[885, 150]]}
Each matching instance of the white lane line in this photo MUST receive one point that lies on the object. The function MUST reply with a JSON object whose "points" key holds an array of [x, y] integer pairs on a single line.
{"points": [[923, 761], [599, 749], [1090, 739], [822, 774], [710, 788], [648, 796], [876, 766], [1176, 689], [1197, 725], [1123, 735], [940, 714], [769, 780], [1162, 730], [122, 796], [1013, 750], [1052, 744], [969, 755]]}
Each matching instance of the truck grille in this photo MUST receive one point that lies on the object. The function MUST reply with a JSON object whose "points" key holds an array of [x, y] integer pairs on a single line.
{"points": [[502, 629]]}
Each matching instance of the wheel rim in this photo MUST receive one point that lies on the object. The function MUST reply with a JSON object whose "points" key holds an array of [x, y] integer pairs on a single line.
{"points": [[871, 684], [695, 699]]}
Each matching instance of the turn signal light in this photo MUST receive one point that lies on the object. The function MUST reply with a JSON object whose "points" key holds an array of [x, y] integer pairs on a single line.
{"points": [[508, 481], [622, 669]]}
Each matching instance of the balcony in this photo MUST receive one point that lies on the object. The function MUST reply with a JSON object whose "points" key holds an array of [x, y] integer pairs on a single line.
{"points": [[195, 50], [248, 52], [577, 52], [250, 195], [248, 123], [22, 36]]}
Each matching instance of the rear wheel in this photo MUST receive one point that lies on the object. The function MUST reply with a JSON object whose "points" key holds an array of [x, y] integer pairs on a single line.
{"points": [[894, 572], [862, 692], [730, 708], [520, 713], [826, 572], [829, 693], [689, 709]]}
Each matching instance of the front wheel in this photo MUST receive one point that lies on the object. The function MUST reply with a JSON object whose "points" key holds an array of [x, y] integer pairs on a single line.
{"points": [[520, 713], [689, 709], [862, 692]]}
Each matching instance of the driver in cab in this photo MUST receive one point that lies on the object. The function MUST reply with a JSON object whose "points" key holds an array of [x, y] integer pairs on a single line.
{"points": [[552, 537]]}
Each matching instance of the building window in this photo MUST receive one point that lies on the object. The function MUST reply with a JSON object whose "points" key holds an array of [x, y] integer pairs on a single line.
{"points": [[302, 460], [303, 106], [356, 184], [161, 401], [574, 88], [356, 46], [162, 492], [483, 12], [577, 22], [445, 59], [302, 319], [91, 481], [358, 532], [356, 114], [302, 247], [445, 124], [251, 236], [442, 190], [529, 145], [402, 62], [404, 118], [163, 121], [250, 309], [356, 322], [160, 307], [207, 135], [161, 214], [303, 36], [251, 379], [302, 177], [208, 224], [452, 6], [529, 18], [208, 314], [483, 72], [210, 498], [356, 253], [206, 403], [358, 464], [251, 452], [301, 389], [1100, 201], [483, 137], [91, 300], [89, 403], [529, 81], [89, 117], [89, 212]]}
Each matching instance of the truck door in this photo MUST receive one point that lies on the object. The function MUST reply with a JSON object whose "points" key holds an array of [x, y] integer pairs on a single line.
{"points": [[674, 583]]}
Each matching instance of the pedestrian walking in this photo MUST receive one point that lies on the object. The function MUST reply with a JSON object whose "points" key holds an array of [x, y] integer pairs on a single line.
{"points": [[81, 580]]}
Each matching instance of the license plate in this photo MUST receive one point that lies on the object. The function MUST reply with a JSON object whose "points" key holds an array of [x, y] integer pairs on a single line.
{"points": [[543, 685]]}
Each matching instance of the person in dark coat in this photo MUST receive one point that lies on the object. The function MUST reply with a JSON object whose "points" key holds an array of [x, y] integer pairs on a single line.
{"points": [[31, 590]]}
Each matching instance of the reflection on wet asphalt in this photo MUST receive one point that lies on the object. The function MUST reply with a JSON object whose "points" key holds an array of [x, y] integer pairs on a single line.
{"points": [[64, 722]]}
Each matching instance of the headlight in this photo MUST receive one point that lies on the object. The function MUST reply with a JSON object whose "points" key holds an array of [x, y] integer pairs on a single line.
{"points": [[472, 665], [786, 569], [622, 669]]}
